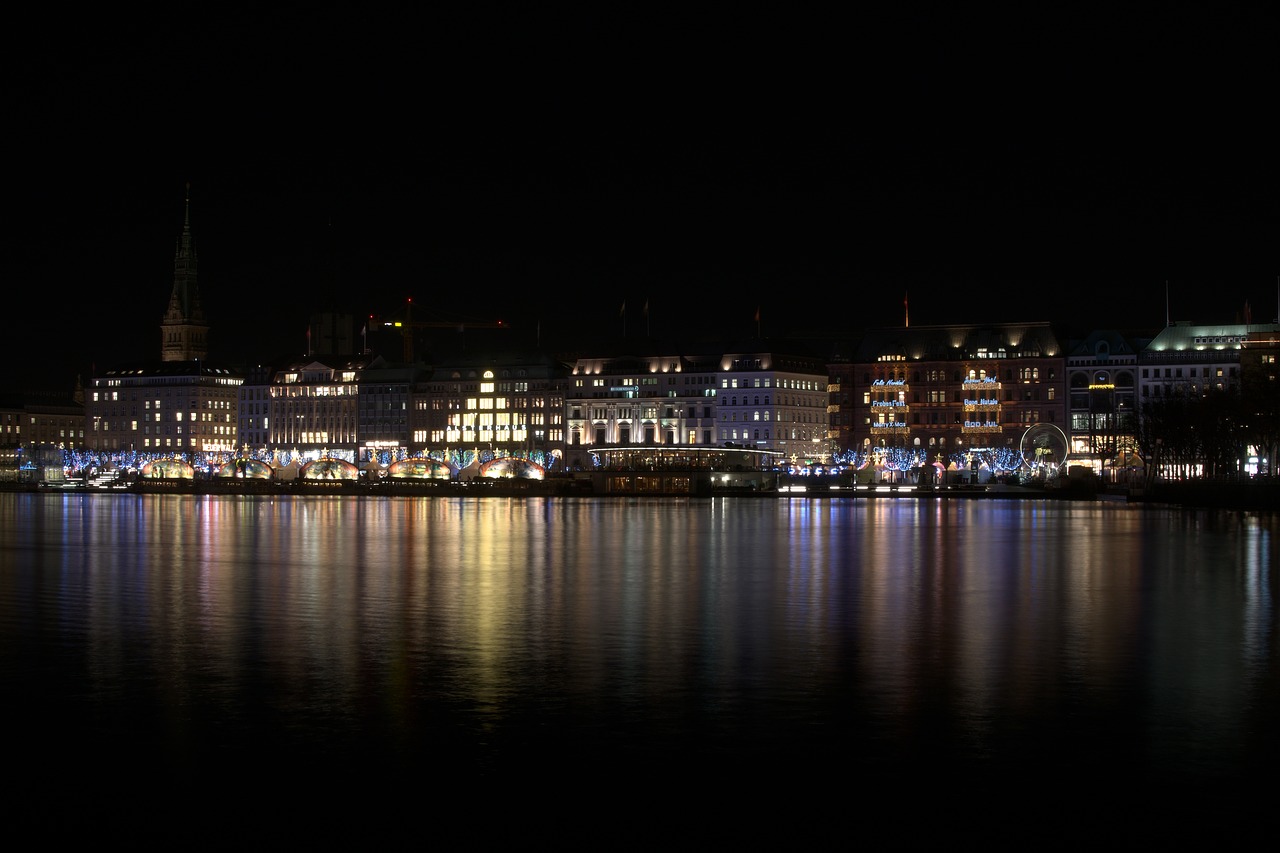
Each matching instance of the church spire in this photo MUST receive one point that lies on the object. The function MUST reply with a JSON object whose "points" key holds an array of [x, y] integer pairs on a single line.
{"points": [[183, 332]]}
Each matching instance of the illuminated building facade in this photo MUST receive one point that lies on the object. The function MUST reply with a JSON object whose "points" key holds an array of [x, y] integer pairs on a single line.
{"points": [[1187, 361], [633, 400], [254, 408], [771, 400], [30, 419], [1260, 378], [510, 403], [385, 406], [313, 405], [947, 389], [164, 407], [182, 403], [1102, 380], [839, 400], [763, 400], [1191, 360]]}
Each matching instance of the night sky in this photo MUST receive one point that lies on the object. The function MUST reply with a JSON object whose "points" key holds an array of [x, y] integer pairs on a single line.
{"points": [[544, 170]]}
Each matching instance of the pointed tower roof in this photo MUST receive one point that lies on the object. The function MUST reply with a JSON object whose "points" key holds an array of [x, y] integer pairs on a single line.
{"points": [[184, 332]]}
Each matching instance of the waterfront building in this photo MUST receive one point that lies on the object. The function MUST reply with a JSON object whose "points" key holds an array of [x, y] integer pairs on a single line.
{"points": [[1208, 362], [756, 398], [180, 403], [626, 399], [384, 408], [1259, 369], [508, 403], [1102, 381], [839, 402], [948, 390], [330, 400], [775, 399], [173, 407], [313, 405], [253, 410], [1186, 359], [34, 418]]}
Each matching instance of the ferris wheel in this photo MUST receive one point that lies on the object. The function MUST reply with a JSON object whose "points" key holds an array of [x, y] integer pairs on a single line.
{"points": [[1044, 446]]}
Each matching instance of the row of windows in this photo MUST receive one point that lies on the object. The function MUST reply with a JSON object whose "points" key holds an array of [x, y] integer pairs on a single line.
{"points": [[1023, 374], [1025, 416], [878, 398], [1176, 373]]}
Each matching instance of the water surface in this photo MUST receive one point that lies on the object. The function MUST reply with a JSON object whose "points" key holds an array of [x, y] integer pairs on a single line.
{"points": [[876, 664]]}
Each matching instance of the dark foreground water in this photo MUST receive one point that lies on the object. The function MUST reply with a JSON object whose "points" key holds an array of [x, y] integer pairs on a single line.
{"points": [[651, 673]]}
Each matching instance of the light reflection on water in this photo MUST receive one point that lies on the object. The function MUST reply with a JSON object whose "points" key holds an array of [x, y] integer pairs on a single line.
{"points": [[948, 643]]}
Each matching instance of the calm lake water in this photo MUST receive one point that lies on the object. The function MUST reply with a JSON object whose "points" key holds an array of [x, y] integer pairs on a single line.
{"points": [[721, 669]]}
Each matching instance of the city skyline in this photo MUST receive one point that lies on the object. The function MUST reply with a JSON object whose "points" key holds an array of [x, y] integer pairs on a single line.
{"points": [[1067, 177]]}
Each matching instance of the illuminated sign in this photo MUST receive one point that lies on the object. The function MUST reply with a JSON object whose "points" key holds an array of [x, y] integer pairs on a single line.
{"points": [[890, 382]]}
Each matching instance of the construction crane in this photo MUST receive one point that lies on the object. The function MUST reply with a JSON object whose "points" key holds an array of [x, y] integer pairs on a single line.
{"points": [[408, 325]]}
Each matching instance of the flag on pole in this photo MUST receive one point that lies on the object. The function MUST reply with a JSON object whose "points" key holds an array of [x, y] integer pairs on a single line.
{"points": [[623, 311]]}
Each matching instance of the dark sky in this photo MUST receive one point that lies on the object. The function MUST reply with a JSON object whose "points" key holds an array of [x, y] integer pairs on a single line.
{"points": [[542, 170]]}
